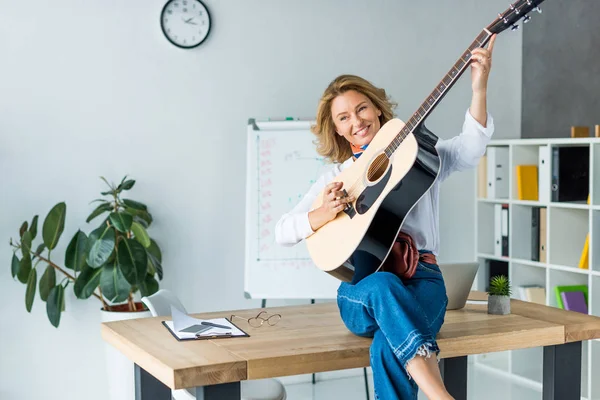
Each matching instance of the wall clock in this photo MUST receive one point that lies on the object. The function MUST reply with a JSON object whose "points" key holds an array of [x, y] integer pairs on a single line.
{"points": [[185, 23]]}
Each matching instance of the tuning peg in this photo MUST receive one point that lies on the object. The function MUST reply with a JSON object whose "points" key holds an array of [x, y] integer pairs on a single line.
{"points": [[526, 19], [538, 9], [514, 27]]}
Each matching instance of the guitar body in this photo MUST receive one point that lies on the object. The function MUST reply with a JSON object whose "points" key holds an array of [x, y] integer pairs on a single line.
{"points": [[361, 237]]}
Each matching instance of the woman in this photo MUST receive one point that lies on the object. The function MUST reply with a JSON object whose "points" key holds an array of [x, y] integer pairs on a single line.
{"points": [[403, 316]]}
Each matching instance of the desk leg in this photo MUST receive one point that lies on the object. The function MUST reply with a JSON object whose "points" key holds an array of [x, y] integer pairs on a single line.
{"points": [[223, 391], [562, 372], [454, 374], [147, 387]]}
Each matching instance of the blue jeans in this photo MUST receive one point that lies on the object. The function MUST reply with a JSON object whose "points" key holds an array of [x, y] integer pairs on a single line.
{"points": [[402, 316]]}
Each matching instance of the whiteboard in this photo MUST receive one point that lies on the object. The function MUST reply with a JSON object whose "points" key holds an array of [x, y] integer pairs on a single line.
{"points": [[282, 164]]}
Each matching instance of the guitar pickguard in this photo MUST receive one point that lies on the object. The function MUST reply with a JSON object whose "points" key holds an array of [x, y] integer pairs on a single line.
{"points": [[367, 197]]}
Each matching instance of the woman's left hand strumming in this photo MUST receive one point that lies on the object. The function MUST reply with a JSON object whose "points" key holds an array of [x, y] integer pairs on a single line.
{"points": [[481, 65]]}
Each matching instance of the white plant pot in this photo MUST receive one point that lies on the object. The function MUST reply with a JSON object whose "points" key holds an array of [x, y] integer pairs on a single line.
{"points": [[119, 369], [499, 305]]}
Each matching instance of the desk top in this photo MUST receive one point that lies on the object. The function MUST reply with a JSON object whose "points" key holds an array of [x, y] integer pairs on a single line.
{"points": [[313, 338]]}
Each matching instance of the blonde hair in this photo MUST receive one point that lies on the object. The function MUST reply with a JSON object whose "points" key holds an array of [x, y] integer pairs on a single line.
{"points": [[331, 145]]}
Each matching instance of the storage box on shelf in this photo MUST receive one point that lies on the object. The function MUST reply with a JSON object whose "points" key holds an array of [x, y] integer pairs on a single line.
{"points": [[545, 236]]}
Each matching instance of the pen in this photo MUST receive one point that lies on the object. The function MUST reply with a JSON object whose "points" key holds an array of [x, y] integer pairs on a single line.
{"points": [[215, 325], [214, 336]]}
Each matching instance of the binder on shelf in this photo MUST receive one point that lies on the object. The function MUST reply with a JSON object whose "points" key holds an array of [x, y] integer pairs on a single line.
{"points": [[482, 178], [543, 221], [544, 174], [570, 173], [497, 230], [497, 172], [505, 230], [535, 234], [527, 182], [501, 230]]}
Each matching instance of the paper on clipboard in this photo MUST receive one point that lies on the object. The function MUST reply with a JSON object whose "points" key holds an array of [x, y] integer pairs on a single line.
{"points": [[181, 320]]}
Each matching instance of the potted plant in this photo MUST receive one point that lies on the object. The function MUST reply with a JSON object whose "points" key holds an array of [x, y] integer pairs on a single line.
{"points": [[499, 295], [114, 262]]}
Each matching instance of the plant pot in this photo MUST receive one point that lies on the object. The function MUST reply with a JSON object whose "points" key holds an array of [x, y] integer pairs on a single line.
{"points": [[119, 369], [499, 305]]}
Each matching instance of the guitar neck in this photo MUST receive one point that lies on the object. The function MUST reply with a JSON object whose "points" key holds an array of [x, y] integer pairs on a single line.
{"points": [[439, 92]]}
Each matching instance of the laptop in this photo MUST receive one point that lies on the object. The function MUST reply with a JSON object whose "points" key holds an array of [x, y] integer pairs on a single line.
{"points": [[458, 278]]}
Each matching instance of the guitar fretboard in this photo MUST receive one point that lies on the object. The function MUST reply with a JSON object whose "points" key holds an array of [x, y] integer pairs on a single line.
{"points": [[438, 93]]}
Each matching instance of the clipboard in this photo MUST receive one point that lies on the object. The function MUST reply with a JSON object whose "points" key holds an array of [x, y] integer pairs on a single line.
{"points": [[200, 337]]}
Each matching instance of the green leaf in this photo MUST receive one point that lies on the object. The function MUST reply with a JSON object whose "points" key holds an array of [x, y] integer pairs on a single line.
{"points": [[136, 205], [30, 292], [23, 229], [87, 282], [155, 258], [128, 184], [24, 268], [133, 260], [76, 251], [141, 216], [122, 221], [155, 250], [102, 247], [149, 286], [113, 284], [26, 243], [54, 224], [39, 250], [156, 265], [102, 208], [140, 234], [47, 282], [33, 227], [14, 266], [55, 304]]}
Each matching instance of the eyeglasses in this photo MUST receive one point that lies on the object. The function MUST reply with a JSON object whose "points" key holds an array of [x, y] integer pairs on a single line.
{"points": [[260, 319]]}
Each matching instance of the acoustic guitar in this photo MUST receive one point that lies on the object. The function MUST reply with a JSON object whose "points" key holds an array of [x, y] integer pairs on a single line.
{"points": [[398, 167]]}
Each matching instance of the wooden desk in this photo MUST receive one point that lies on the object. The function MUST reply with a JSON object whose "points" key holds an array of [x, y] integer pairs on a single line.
{"points": [[313, 338]]}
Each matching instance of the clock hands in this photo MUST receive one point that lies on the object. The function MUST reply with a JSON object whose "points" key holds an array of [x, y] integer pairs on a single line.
{"points": [[189, 21]]}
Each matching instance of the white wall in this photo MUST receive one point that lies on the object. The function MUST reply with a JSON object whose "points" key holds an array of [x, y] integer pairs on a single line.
{"points": [[93, 88]]}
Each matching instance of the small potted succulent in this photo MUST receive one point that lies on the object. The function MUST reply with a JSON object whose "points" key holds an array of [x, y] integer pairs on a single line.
{"points": [[499, 295]]}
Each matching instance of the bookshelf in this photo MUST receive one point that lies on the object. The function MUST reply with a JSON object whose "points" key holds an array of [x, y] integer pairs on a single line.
{"points": [[566, 226]]}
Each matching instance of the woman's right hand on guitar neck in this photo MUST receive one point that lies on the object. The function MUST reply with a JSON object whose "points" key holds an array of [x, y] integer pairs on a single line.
{"points": [[333, 202]]}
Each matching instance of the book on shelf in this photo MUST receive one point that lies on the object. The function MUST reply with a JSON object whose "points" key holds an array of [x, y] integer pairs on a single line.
{"points": [[569, 301], [532, 293], [574, 301], [584, 260], [527, 182]]}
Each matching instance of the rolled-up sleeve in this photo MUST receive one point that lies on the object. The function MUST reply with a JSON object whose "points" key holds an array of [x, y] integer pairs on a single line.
{"points": [[465, 150]]}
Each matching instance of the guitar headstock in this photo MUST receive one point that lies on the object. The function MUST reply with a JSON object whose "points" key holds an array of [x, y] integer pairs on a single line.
{"points": [[518, 10]]}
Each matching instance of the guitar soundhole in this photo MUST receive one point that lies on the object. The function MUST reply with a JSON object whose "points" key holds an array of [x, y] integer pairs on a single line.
{"points": [[377, 168]]}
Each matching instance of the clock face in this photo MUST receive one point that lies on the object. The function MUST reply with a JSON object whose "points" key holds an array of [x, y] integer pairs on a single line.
{"points": [[186, 23]]}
